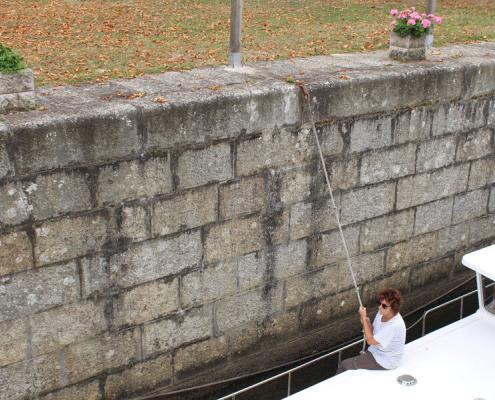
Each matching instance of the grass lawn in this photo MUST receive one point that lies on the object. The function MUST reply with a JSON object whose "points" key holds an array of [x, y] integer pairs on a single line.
{"points": [[68, 41]]}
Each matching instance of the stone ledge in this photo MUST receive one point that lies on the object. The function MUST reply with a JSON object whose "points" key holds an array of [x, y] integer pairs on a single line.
{"points": [[199, 104]]}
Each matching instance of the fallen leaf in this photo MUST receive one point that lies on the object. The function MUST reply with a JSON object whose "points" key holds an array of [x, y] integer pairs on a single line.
{"points": [[159, 99]]}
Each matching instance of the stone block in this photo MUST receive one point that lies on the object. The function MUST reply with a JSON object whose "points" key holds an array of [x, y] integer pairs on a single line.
{"points": [[275, 149], [241, 197], [275, 226], [343, 98], [206, 285], [371, 133], [389, 164], [343, 175], [70, 237], [15, 208], [133, 179], [104, 133], [23, 101], [280, 325], [491, 113], [200, 355], [414, 251], [185, 211], [307, 218], [247, 307], [381, 231], [329, 309], [431, 272], [30, 378], [301, 220], [452, 238], [411, 125], [233, 238], [481, 77], [198, 118], [366, 267], [330, 137], [145, 375], [482, 229], [436, 153], [289, 259], [433, 216], [281, 262], [95, 279], [252, 270], [398, 280], [169, 334], [59, 193], [13, 341], [482, 173], [427, 187], [84, 391], [6, 166], [331, 249], [17, 82], [367, 202], [134, 223], [146, 302], [199, 167], [458, 117], [155, 259], [295, 186], [470, 205], [491, 204], [16, 253], [62, 326], [475, 145], [312, 285], [90, 358], [244, 339], [39, 289]]}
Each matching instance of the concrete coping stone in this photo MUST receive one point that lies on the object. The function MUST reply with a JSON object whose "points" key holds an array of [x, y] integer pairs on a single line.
{"points": [[367, 82]]}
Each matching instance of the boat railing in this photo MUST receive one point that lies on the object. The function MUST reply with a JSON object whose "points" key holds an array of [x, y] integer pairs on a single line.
{"points": [[355, 343]]}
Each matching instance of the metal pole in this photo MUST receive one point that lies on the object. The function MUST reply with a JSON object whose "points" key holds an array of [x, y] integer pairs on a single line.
{"points": [[235, 33], [432, 5]]}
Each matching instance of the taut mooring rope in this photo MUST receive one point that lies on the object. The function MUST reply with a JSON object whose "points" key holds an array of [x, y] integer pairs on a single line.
{"points": [[334, 206]]}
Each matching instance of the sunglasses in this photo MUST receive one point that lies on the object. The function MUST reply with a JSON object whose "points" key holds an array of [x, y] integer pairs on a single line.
{"points": [[382, 305]]}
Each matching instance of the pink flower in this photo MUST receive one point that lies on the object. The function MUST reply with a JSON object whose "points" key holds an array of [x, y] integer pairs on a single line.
{"points": [[393, 24], [411, 21], [415, 15], [426, 23], [437, 20], [394, 12]]}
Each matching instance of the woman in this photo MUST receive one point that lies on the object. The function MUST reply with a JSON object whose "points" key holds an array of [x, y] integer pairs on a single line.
{"points": [[386, 337]]}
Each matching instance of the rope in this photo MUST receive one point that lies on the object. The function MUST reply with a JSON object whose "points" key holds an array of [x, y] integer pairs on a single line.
{"points": [[334, 206]]}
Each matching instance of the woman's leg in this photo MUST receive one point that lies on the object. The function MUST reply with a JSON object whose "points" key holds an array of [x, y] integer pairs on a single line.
{"points": [[362, 361]]}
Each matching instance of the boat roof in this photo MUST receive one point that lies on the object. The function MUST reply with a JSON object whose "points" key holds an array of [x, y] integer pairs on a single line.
{"points": [[454, 362], [482, 261]]}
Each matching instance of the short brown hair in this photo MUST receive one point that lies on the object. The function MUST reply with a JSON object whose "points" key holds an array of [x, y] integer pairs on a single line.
{"points": [[393, 296]]}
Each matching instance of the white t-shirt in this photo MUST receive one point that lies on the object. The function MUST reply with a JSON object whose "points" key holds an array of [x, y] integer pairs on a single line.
{"points": [[392, 337]]}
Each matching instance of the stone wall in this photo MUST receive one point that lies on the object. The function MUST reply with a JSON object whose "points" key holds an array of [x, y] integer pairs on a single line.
{"points": [[157, 229]]}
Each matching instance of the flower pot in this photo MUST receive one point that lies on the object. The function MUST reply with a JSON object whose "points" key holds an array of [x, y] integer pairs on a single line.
{"points": [[17, 90], [407, 48]]}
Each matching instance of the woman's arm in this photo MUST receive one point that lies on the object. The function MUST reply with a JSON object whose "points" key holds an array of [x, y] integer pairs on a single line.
{"points": [[367, 327]]}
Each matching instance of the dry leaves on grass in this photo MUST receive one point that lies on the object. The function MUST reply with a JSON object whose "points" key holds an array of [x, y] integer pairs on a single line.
{"points": [[74, 41]]}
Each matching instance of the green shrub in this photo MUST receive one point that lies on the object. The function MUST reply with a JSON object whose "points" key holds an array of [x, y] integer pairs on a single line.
{"points": [[10, 61]]}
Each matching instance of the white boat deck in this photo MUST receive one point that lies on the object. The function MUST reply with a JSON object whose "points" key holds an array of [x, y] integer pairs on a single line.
{"points": [[455, 362]]}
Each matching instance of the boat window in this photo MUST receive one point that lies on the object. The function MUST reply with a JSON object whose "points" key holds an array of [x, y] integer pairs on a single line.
{"points": [[488, 290]]}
